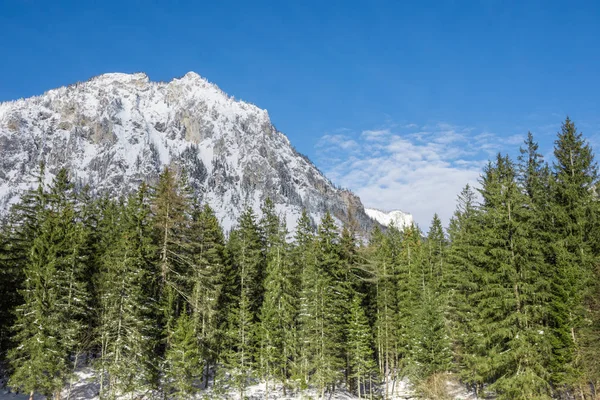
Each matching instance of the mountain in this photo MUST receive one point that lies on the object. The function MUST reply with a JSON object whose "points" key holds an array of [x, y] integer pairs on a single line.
{"points": [[117, 130], [399, 218]]}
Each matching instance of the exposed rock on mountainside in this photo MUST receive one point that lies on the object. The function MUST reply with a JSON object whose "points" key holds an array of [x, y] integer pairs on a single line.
{"points": [[117, 130]]}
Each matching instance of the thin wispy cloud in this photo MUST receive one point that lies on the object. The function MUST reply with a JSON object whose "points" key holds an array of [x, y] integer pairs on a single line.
{"points": [[417, 169]]}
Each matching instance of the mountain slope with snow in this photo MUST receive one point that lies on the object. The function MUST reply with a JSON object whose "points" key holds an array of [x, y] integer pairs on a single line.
{"points": [[117, 130], [399, 218]]}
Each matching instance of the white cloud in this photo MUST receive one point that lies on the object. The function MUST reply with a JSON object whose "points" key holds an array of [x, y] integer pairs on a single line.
{"points": [[341, 141], [420, 170], [375, 135]]}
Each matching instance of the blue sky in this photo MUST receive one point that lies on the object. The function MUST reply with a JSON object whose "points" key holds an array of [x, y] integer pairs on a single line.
{"points": [[400, 101]]}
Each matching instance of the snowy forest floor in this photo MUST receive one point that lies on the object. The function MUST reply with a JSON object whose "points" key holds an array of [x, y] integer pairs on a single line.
{"points": [[86, 386]]}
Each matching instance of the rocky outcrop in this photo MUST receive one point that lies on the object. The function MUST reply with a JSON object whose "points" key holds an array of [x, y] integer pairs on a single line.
{"points": [[117, 130]]}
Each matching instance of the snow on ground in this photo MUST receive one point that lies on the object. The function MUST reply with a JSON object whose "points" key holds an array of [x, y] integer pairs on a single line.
{"points": [[86, 387]]}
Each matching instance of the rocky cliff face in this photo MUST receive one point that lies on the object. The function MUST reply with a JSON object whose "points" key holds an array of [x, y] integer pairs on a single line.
{"points": [[117, 130]]}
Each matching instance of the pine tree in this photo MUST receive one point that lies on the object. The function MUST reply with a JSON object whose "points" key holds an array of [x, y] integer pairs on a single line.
{"points": [[245, 246], [10, 281], [304, 267], [182, 359], [512, 301], [19, 229], [574, 180], [436, 248], [411, 272], [127, 288], [431, 351], [359, 345], [207, 300], [330, 306], [279, 309], [462, 285], [51, 321], [170, 208], [381, 256], [353, 276]]}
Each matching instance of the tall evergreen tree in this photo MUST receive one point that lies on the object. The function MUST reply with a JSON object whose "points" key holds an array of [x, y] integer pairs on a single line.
{"points": [[128, 311], [436, 249], [431, 351], [278, 312], [245, 246], [182, 359], [574, 182], [362, 363], [512, 301], [170, 208], [462, 285], [411, 272], [20, 228], [51, 321], [386, 304], [330, 307], [305, 267], [207, 300]]}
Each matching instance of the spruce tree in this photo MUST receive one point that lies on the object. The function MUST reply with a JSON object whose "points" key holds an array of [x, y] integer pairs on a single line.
{"points": [[512, 300], [574, 180], [19, 229], [411, 272], [51, 321], [431, 351], [278, 312], [208, 281], [436, 249], [304, 267], [245, 247], [182, 360], [330, 307], [128, 309], [359, 347], [462, 285], [381, 257], [170, 208]]}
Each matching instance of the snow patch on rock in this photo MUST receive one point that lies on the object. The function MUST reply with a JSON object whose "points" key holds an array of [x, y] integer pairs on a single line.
{"points": [[116, 130], [400, 219]]}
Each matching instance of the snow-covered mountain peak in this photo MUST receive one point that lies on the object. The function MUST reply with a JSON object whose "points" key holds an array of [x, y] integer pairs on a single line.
{"points": [[117, 130], [399, 218], [119, 77]]}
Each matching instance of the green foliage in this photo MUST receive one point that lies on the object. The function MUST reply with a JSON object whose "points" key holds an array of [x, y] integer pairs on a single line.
{"points": [[18, 230], [507, 299], [430, 351], [183, 363], [207, 280], [246, 249], [381, 254], [51, 321], [127, 328], [304, 266], [573, 210], [359, 346], [277, 328], [170, 209]]}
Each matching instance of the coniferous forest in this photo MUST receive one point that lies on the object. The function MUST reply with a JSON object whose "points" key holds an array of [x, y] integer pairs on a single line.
{"points": [[150, 292]]}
